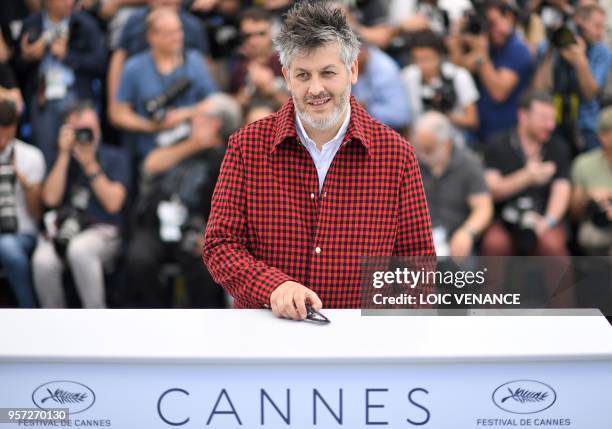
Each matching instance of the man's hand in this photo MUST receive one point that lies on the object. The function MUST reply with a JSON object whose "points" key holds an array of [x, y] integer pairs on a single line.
{"points": [[539, 222], [33, 51], [540, 173], [85, 154], [262, 77], [290, 298], [66, 139], [59, 47], [479, 44], [600, 195], [175, 117], [575, 53], [461, 244]]}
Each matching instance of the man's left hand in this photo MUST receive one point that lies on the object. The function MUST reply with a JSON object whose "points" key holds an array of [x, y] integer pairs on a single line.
{"points": [[262, 77], [575, 53], [175, 117], [479, 44], [541, 224], [85, 154]]}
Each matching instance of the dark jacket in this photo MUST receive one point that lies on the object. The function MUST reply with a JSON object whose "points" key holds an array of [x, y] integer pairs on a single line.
{"points": [[86, 54]]}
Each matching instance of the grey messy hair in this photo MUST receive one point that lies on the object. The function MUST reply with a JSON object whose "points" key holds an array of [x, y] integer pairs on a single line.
{"points": [[312, 24]]}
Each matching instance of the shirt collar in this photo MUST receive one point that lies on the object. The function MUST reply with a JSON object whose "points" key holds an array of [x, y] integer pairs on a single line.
{"points": [[286, 125], [48, 24], [338, 138]]}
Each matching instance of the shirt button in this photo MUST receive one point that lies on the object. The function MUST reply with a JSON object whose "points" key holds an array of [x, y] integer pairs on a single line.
{"points": [[312, 196], [318, 250]]}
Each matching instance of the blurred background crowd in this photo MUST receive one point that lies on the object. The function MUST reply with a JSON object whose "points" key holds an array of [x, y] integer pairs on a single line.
{"points": [[115, 114]]}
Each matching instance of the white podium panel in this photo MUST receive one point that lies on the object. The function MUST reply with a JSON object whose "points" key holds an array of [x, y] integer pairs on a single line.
{"points": [[246, 369]]}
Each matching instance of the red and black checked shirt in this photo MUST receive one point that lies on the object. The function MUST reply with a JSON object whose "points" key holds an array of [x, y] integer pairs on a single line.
{"points": [[269, 224]]}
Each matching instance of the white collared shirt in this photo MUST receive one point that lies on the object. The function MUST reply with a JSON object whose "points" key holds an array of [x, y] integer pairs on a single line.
{"points": [[322, 158]]}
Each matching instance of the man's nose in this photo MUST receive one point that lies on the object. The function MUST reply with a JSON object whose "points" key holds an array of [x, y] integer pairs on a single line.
{"points": [[316, 86]]}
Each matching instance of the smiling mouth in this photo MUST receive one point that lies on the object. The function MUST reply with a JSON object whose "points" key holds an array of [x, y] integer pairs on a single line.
{"points": [[319, 102]]}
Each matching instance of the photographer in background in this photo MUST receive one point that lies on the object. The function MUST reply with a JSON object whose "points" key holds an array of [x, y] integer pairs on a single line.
{"points": [[134, 39], [528, 175], [170, 217], [574, 68], [59, 54], [490, 47], [591, 203], [22, 169], [256, 72], [457, 196], [527, 172], [88, 185], [435, 84], [160, 88]]}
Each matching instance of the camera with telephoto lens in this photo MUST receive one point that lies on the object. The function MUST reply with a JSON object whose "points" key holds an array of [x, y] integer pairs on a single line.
{"points": [[157, 106], [475, 19], [598, 214], [565, 35], [84, 136], [8, 202], [443, 98], [71, 220], [520, 218]]}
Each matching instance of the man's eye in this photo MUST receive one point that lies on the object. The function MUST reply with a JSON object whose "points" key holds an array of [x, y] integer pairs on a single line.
{"points": [[329, 73], [302, 76]]}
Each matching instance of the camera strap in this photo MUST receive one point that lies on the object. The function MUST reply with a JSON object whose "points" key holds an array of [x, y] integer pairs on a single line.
{"points": [[7, 157], [430, 91]]}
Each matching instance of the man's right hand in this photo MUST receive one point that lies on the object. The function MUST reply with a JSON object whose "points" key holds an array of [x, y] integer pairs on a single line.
{"points": [[290, 298], [66, 139], [33, 51], [540, 173]]}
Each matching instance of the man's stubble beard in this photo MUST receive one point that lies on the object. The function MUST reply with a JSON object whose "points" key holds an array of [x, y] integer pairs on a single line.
{"points": [[329, 121]]}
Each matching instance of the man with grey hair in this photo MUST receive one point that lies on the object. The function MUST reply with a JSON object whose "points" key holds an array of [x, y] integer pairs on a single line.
{"points": [[304, 194], [172, 212], [457, 196]]}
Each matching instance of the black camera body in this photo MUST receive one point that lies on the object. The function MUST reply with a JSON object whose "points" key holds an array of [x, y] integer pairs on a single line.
{"points": [[84, 136], [444, 97], [475, 19], [475, 24], [157, 106], [598, 214], [8, 199], [71, 220], [564, 36]]}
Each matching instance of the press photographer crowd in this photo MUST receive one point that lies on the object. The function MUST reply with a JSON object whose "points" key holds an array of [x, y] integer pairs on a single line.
{"points": [[115, 116]]}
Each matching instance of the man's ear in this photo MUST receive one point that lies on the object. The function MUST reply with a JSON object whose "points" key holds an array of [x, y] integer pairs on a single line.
{"points": [[286, 76], [354, 71]]}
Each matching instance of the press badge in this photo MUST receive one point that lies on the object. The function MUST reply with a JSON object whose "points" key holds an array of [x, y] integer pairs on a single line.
{"points": [[55, 86], [169, 137], [172, 215]]}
